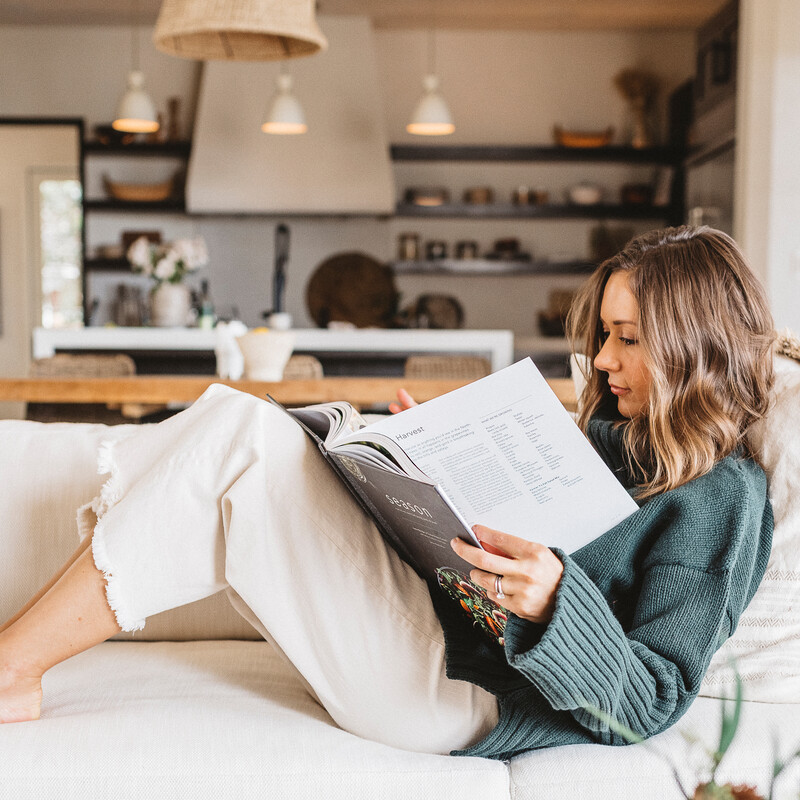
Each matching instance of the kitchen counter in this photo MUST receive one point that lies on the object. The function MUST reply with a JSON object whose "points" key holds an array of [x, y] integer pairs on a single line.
{"points": [[496, 345]]}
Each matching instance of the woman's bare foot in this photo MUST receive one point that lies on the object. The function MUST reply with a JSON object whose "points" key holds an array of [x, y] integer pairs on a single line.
{"points": [[20, 695]]}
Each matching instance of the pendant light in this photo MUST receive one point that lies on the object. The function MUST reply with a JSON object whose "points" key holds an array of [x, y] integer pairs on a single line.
{"points": [[136, 112], [431, 117], [285, 114], [238, 30]]}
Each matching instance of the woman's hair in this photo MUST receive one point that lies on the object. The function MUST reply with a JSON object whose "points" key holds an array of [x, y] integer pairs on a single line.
{"points": [[706, 335]]}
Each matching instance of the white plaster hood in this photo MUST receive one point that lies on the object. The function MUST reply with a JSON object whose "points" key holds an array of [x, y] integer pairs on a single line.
{"points": [[341, 165]]}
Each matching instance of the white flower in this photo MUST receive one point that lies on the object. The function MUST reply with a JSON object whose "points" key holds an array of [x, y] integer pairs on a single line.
{"points": [[192, 252], [167, 267], [140, 255], [168, 263]]}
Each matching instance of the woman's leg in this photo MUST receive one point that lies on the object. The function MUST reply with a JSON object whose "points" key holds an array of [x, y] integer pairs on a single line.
{"points": [[45, 589], [70, 617], [231, 493]]}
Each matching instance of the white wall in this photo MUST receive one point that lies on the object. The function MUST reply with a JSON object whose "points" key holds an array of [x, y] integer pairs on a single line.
{"points": [[26, 152], [767, 210], [502, 87]]}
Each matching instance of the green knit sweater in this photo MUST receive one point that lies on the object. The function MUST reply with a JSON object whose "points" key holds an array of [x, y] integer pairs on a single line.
{"points": [[639, 613]]}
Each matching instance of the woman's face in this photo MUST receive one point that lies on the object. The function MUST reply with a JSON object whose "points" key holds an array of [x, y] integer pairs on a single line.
{"points": [[621, 355]]}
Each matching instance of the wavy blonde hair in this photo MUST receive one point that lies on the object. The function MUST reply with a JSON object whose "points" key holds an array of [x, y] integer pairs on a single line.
{"points": [[706, 335]]}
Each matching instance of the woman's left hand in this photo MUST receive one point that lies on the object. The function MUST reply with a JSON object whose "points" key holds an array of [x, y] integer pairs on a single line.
{"points": [[530, 572]]}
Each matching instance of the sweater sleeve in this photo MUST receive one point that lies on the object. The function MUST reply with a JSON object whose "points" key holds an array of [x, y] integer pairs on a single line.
{"points": [[645, 677], [703, 549]]}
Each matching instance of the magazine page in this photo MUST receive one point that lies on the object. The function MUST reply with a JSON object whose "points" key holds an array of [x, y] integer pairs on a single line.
{"points": [[509, 456], [327, 420]]}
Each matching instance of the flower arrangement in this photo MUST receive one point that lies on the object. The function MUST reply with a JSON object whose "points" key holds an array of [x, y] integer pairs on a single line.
{"points": [[639, 88], [167, 263]]}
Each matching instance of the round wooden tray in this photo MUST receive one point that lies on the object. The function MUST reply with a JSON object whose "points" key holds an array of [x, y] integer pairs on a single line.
{"points": [[352, 287]]}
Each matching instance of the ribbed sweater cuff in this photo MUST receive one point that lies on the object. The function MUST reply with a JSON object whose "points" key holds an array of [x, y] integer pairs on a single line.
{"points": [[574, 659]]}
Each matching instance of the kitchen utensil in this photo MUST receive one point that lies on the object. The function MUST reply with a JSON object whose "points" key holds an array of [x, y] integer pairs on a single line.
{"points": [[139, 192], [521, 196], [636, 193], [408, 247], [466, 248], [435, 249], [478, 195], [566, 138], [279, 274], [427, 197], [435, 311], [585, 194], [352, 287]]}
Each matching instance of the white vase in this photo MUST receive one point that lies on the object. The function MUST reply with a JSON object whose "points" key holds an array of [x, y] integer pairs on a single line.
{"points": [[170, 304], [265, 354]]}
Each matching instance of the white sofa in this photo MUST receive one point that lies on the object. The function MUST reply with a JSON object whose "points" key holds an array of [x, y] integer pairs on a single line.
{"points": [[196, 706]]}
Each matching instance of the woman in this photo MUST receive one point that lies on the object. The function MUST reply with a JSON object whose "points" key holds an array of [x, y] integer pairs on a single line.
{"points": [[230, 495]]}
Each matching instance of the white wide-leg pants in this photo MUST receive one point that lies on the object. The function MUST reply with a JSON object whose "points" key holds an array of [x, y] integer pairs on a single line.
{"points": [[231, 494]]}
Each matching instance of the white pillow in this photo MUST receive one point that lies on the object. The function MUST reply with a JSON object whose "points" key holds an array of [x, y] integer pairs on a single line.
{"points": [[766, 645]]}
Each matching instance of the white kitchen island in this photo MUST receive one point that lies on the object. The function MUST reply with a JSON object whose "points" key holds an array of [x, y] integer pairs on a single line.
{"points": [[496, 345]]}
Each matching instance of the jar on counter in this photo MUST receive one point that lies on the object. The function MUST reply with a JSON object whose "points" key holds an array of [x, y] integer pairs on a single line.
{"points": [[408, 247]]}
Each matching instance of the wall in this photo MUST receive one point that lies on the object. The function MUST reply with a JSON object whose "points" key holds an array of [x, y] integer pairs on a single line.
{"points": [[767, 157], [27, 151], [502, 86]]}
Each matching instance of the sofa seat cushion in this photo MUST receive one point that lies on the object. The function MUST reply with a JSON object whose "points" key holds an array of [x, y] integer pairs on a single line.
{"points": [[218, 719], [586, 772]]}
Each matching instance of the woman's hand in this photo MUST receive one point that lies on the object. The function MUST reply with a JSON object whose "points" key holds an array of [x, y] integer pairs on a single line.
{"points": [[530, 572], [406, 401]]}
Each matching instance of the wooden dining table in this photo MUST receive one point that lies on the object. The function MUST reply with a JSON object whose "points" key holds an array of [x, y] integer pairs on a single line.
{"points": [[148, 390]]}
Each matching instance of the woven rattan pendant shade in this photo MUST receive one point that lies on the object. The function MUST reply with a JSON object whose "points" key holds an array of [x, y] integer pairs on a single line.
{"points": [[238, 30]]}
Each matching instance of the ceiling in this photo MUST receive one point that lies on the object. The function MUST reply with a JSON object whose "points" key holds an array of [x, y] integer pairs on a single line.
{"points": [[451, 14]]}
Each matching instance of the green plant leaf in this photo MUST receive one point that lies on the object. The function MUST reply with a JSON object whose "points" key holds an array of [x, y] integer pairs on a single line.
{"points": [[730, 720], [616, 727]]}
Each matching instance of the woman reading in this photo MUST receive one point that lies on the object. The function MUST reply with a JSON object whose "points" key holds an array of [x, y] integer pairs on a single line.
{"points": [[230, 495]]}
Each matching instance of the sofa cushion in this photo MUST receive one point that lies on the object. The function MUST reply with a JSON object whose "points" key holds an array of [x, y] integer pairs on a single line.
{"points": [[766, 644], [589, 771], [49, 471], [187, 720]]}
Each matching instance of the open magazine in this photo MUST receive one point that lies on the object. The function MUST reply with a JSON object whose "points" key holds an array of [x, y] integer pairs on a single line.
{"points": [[501, 451]]}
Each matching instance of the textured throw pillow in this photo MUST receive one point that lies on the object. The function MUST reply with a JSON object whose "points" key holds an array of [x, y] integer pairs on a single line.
{"points": [[766, 644]]}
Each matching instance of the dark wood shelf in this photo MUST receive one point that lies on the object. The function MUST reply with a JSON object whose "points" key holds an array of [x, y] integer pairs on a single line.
{"points": [[106, 265], [181, 148], [611, 153], [178, 205], [492, 267], [549, 211]]}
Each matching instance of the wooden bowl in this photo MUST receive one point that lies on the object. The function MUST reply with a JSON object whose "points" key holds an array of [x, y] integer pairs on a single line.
{"points": [[139, 192], [582, 138]]}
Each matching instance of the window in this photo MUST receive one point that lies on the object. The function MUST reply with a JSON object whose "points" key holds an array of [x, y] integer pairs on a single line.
{"points": [[60, 222]]}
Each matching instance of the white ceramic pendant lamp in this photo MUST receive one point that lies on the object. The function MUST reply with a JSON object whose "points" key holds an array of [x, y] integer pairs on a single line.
{"points": [[136, 112], [285, 115], [431, 116]]}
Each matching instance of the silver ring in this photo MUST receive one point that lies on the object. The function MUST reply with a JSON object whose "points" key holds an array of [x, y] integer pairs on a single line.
{"points": [[498, 587]]}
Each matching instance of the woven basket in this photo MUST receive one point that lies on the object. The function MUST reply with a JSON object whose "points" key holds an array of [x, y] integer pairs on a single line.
{"points": [[238, 30], [139, 192]]}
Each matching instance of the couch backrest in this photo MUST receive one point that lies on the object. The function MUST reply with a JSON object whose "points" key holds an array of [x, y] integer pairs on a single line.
{"points": [[47, 471]]}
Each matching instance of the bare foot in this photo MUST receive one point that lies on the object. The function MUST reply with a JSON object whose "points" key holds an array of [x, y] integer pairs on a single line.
{"points": [[20, 696]]}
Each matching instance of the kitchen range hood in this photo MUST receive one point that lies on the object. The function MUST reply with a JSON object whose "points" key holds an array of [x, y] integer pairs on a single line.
{"points": [[340, 165]]}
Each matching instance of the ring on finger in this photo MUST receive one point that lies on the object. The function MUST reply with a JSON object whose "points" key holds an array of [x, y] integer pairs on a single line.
{"points": [[498, 587]]}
